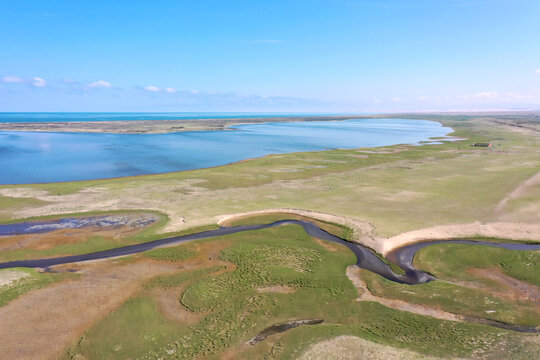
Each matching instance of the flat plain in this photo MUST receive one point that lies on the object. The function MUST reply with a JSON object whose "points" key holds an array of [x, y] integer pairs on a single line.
{"points": [[209, 298]]}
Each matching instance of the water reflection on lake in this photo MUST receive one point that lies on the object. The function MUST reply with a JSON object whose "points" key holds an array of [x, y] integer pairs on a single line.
{"points": [[37, 157]]}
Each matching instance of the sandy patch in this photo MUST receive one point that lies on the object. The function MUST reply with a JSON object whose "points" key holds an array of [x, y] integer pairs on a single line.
{"points": [[280, 289], [355, 348], [24, 193], [363, 231], [168, 302], [34, 326], [8, 277], [503, 230], [326, 244]]}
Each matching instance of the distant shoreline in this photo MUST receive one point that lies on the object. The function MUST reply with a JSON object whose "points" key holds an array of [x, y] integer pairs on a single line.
{"points": [[159, 126]]}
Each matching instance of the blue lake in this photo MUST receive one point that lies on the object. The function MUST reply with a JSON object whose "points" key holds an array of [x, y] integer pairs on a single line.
{"points": [[39, 157]]}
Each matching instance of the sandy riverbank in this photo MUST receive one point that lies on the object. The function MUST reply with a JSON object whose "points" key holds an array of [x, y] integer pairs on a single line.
{"points": [[364, 231]]}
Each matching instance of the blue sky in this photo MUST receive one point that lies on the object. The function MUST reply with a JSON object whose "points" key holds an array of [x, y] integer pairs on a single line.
{"points": [[305, 56]]}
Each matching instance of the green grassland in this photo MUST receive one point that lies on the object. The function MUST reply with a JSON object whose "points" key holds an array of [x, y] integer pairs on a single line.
{"points": [[522, 265], [445, 183], [233, 311], [459, 291], [35, 280], [171, 254]]}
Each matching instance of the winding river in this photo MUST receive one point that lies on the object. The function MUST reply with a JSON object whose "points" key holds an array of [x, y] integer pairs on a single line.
{"points": [[365, 258]]}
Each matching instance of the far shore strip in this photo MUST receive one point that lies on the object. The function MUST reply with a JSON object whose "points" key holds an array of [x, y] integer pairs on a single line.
{"points": [[158, 126]]}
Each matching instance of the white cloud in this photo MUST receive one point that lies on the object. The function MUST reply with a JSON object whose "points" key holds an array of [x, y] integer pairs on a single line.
{"points": [[423, 98], [537, 71], [152, 88], [487, 95], [377, 101], [100, 84], [397, 99], [12, 79], [170, 90], [508, 99], [194, 91], [514, 96], [39, 82]]}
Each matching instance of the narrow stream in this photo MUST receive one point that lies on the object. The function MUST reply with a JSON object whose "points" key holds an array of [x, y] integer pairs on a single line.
{"points": [[365, 258]]}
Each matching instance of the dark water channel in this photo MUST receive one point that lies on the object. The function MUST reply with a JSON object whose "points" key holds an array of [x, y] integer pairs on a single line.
{"points": [[365, 258]]}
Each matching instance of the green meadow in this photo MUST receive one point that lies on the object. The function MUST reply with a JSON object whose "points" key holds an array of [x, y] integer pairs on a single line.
{"points": [[231, 309]]}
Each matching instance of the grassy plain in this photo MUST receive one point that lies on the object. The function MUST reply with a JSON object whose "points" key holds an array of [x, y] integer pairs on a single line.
{"points": [[396, 189], [466, 283], [444, 184], [231, 310], [522, 265]]}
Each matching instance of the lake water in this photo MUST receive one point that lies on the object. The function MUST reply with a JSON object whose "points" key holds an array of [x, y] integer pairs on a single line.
{"points": [[38, 157]]}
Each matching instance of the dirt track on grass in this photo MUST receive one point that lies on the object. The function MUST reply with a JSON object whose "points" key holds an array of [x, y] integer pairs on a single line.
{"points": [[519, 191]]}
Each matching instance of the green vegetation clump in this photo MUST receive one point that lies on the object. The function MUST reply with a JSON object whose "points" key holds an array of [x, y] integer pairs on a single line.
{"points": [[175, 253], [257, 266], [458, 258]]}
